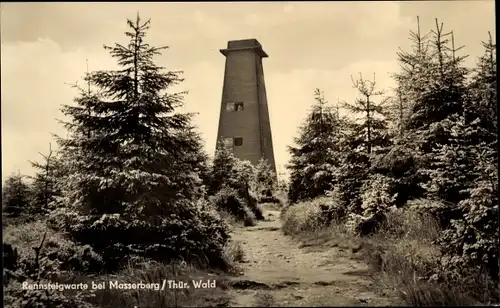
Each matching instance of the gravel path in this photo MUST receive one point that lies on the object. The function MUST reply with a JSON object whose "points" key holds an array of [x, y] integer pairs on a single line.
{"points": [[277, 272]]}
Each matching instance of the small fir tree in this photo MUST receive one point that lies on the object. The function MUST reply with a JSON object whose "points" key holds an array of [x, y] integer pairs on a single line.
{"points": [[46, 181], [15, 196], [264, 179], [372, 130], [313, 159], [134, 163]]}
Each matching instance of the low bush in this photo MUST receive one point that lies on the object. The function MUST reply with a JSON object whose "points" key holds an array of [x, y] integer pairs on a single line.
{"points": [[376, 201], [229, 200], [310, 216], [376, 196], [231, 187], [405, 244], [57, 254], [16, 204], [407, 257], [253, 205], [281, 196], [137, 270], [264, 184], [197, 234], [410, 224], [443, 212], [17, 297]]}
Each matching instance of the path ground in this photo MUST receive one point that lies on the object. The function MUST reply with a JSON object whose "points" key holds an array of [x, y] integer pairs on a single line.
{"points": [[276, 271]]}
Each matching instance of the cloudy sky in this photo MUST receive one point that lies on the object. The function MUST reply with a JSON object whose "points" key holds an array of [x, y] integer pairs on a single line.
{"points": [[314, 44]]}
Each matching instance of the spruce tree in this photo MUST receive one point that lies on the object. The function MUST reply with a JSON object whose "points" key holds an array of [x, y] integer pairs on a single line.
{"points": [[412, 79], [465, 172], [314, 159], [222, 167], [432, 92], [130, 132], [466, 132], [475, 237], [231, 181], [483, 96], [442, 94], [264, 180], [353, 167], [46, 187], [439, 122], [134, 162], [15, 196], [402, 162], [197, 159], [363, 138], [372, 131], [449, 169]]}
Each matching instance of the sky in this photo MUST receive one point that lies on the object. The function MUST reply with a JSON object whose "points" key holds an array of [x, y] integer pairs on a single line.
{"points": [[44, 47]]}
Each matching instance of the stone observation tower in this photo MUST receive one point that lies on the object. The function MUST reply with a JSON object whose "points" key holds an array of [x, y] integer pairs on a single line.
{"points": [[244, 122]]}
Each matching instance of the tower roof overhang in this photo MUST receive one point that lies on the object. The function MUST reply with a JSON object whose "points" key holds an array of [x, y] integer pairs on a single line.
{"points": [[248, 44]]}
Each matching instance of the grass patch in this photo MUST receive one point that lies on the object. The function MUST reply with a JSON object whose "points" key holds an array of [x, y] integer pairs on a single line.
{"points": [[406, 258], [331, 236], [309, 216], [58, 258], [28, 235], [156, 272], [234, 252], [403, 256], [58, 253]]}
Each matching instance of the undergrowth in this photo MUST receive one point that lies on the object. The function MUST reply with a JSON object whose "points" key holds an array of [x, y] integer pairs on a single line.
{"points": [[60, 260], [404, 255]]}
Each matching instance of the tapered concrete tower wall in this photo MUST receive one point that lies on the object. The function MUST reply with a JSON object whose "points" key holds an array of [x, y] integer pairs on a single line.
{"points": [[244, 115]]}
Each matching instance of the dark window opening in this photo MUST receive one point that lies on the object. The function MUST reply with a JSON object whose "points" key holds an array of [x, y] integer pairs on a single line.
{"points": [[238, 106], [238, 141]]}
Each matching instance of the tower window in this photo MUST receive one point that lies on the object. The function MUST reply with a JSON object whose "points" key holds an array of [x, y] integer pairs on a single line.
{"points": [[238, 106], [238, 141]]}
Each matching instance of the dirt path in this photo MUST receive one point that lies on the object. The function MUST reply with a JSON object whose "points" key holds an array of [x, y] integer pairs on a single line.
{"points": [[277, 272]]}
